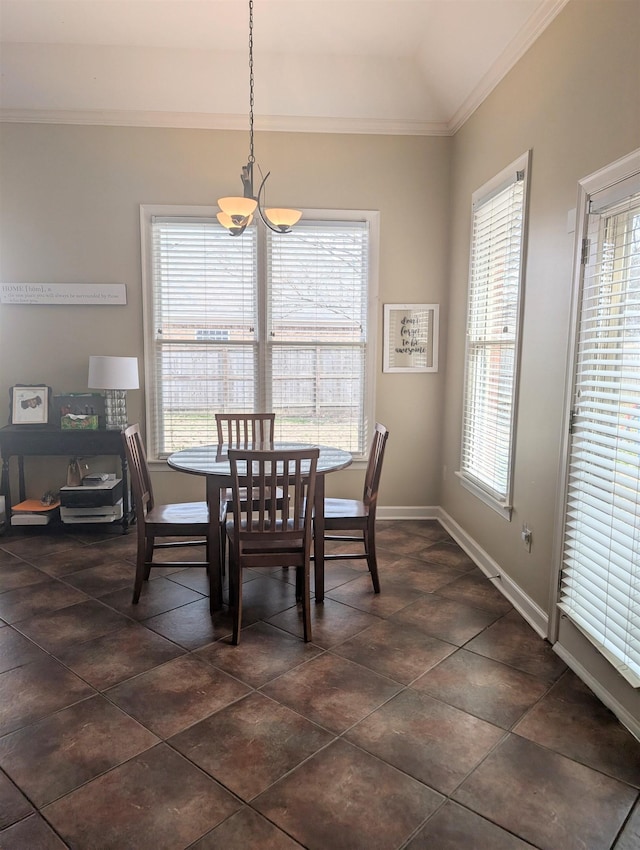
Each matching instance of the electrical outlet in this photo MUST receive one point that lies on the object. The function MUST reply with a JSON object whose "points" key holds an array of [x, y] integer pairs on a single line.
{"points": [[527, 537]]}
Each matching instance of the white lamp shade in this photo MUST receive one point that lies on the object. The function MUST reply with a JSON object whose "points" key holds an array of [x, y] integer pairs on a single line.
{"points": [[113, 373]]}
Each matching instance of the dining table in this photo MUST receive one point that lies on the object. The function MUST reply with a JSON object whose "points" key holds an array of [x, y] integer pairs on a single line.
{"points": [[212, 462]]}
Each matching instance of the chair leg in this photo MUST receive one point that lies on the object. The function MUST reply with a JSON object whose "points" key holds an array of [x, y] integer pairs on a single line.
{"points": [[141, 570], [235, 597], [372, 561], [223, 548], [232, 586], [212, 603], [299, 584], [306, 607], [148, 556]]}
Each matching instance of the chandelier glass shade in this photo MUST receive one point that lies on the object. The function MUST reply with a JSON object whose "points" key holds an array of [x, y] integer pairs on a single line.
{"points": [[236, 213], [283, 219], [237, 207]]}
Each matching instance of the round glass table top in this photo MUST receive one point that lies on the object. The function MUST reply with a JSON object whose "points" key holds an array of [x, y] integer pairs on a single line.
{"points": [[213, 459]]}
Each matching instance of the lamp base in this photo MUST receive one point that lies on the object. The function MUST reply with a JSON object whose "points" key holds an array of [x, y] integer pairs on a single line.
{"points": [[115, 408]]}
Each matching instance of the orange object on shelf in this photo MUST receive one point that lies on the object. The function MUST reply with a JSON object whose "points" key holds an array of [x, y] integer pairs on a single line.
{"points": [[35, 506]]}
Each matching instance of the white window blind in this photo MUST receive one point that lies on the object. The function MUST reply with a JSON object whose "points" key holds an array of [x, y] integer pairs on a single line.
{"points": [[204, 329], [493, 320], [261, 322], [600, 582], [317, 332]]}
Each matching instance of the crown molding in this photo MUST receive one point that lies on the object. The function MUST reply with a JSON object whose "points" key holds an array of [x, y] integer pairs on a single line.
{"points": [[368, 126], [207, 121], [536, 24]]}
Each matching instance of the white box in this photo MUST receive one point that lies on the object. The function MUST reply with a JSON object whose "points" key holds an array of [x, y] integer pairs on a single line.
{"points": [[30, 519], [104, 513]]}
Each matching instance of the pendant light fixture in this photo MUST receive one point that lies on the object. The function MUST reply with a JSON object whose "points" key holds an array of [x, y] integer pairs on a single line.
{"points": [[237, 213]]}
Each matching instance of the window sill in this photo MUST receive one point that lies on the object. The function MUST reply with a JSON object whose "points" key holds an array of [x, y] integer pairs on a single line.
{"points": [[501, 508]]}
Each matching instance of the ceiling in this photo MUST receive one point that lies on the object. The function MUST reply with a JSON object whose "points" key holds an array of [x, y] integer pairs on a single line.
{"points": [[377, 66]]}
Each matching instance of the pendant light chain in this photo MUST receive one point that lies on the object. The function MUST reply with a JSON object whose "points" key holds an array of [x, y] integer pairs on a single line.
{"points": [[236, 213], [251, 154]]}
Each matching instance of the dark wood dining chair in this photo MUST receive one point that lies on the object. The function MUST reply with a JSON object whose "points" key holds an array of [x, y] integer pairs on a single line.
{"points": [[241, 430], [268, 532], [359, 515], [179, 519], [248, 430]]}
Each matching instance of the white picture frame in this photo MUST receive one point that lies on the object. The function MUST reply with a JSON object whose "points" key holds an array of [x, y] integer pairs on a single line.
{"points": [[411, 337], [30, 404]]}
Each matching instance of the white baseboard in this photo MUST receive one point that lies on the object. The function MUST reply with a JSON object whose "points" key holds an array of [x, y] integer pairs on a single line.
{"points": [[530, 610], [409, 512]]}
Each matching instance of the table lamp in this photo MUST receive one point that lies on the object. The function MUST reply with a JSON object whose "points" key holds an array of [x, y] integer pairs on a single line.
{"points": [[114, 375]]}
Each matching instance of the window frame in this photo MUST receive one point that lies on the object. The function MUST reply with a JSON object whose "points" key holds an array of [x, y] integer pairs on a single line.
{"points": [[501, 502], [371, 217]]}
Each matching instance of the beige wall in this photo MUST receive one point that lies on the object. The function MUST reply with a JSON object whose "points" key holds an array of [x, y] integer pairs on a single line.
{"points": [[70, 213], [574, 101]]}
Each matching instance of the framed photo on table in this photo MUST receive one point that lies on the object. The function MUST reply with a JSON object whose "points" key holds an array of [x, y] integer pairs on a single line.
{"points": [[411, 337], [30, 404]]}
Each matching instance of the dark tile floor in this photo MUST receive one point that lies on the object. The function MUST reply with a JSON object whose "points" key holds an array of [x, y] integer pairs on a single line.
{"points": [[430, 716]]}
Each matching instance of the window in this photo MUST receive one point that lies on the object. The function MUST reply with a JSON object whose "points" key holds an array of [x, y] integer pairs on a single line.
{"points": [[600, 580], [493, 322], [260, 322]]}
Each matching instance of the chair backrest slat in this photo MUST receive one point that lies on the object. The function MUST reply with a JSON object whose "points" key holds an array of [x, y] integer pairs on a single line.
{"points": [[374, 465], [246, 429]]}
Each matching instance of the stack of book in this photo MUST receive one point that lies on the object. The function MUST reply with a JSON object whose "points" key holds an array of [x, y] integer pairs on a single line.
{"points": [[33, 512], [95, 479]]}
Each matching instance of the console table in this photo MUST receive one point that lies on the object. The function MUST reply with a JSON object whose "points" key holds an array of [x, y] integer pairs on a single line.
{"points": [[22, 440]]}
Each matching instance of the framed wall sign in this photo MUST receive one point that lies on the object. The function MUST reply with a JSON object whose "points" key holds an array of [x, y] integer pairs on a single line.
{"points": [[411, 337], [30, 404], [66, 294]]}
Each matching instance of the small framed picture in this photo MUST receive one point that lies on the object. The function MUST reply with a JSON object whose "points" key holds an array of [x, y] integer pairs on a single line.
{"points": [[411, 337], [30, 404]]}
